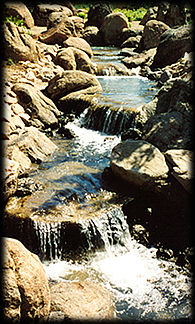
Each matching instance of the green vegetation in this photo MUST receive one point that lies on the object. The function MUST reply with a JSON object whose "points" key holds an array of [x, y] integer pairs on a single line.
{"points": [[132, 14], [16, 20], [10, 61]]}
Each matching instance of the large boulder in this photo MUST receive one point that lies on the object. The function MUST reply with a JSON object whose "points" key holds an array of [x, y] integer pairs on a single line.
{"points": [[172, 14], [20, 11], [58, 33], [173, 45], [97, 13], [33, 143], [26, 294], [72, 58], [37, 105], [42, 11], [139, 163], [79, 43], [82, 300], [93, 36], [181, 162], [169, 130], [72, 81], [151, 34], [73, 91], [19, 45], [112, 27]]}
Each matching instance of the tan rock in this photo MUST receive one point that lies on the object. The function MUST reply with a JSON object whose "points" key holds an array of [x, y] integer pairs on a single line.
{"points": [[79, 43], [82, 300], [139, 162], [19, 46], [181, 161], [19, 10], [58, 33], [69, 82], [26, 292], [10, 177]]}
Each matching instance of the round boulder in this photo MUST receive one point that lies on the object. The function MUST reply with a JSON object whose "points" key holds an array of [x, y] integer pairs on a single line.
{"points": [[151, 34], [139, 163], [112, 27], [26, 293]]}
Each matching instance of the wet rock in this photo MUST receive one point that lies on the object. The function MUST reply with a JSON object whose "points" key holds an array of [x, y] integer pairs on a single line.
{"points": [[26, 294], [181, 162], [10, 177], [112, 69], [112, 27], [81, 300], [139, 163], [97, 13], [151, 35], [19, 46], [132, 133], [140, 59], [37, 105], [127, 52], [42, 11], [79, 43], [20, 11], [173, 45], [26, 186]]}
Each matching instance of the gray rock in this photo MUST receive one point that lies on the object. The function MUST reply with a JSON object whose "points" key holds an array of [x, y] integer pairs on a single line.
{"points": [[173, 45]]}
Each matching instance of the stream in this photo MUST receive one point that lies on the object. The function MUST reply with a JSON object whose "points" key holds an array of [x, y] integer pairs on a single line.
{"points": [[76, 195]]}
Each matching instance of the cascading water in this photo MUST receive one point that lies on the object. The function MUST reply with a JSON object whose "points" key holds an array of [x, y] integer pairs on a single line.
{"points": [[75, 212]]}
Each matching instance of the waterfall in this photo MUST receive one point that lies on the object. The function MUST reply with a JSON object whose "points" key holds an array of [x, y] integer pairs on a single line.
{"points": [[107, 120], [55, 241]]}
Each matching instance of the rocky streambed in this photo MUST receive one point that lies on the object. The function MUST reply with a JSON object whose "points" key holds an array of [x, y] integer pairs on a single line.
{"points": [[97, 176]]}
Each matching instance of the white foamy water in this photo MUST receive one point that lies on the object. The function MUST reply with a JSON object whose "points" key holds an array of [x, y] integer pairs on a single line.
{"points": [[143, 286]]}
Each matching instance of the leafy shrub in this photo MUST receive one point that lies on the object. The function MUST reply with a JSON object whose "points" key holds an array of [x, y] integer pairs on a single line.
{"points": [[16, 20]]}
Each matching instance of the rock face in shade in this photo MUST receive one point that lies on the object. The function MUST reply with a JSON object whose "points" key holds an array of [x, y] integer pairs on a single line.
{"points": [[139, 163], [112, 27], [26, 294], [82, 300], [173, 44], [181, 161]]}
